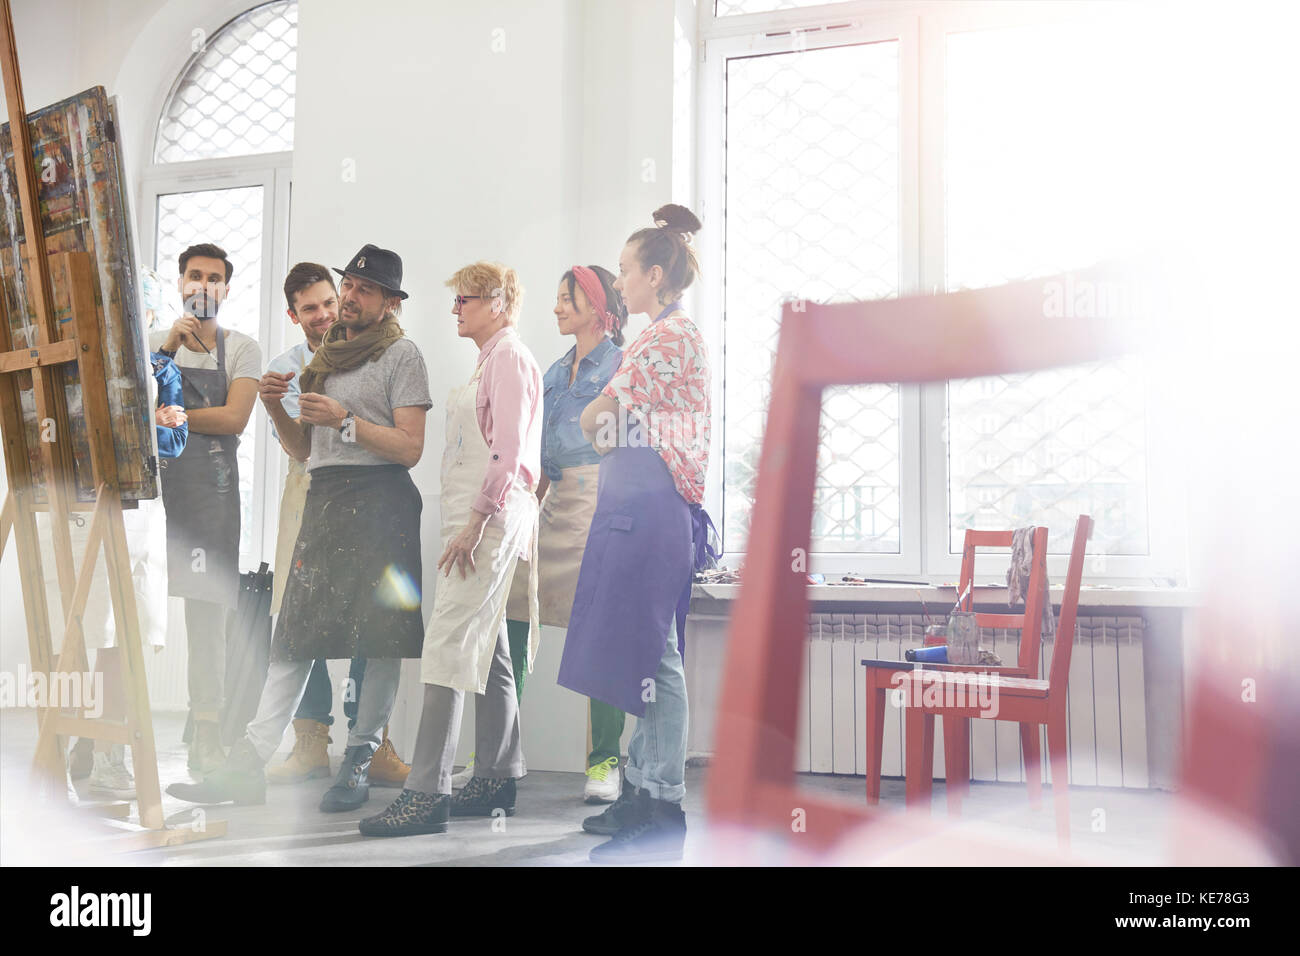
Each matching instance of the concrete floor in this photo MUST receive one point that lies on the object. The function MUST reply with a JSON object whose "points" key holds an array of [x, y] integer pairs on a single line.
{"points": [[997, 824]]}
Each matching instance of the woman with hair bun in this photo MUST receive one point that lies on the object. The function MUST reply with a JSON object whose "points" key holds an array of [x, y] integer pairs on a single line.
{"points": [[651, 424], [489, 512]]}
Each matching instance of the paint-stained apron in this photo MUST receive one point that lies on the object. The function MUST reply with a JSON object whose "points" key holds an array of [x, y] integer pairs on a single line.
{"points": [[353, 586], [468, 612], [637, 562], [200, 491], [563, 526]]}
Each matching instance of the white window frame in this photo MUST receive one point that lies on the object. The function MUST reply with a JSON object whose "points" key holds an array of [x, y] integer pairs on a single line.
{"points": [[921, 29], [717, 50], [273, 172]]}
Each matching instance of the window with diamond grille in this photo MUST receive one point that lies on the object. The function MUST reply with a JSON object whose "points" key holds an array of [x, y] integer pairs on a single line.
{"points": [[1031, 172], [236, 96], [232, 218], [812, 199]]}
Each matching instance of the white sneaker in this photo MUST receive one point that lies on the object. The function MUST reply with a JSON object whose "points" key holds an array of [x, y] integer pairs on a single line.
{"points": [[458, 780], [109, 774], [604, 782]]}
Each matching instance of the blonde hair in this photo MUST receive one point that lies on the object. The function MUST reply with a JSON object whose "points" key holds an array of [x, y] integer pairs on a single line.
{"points": [[490, 279]]}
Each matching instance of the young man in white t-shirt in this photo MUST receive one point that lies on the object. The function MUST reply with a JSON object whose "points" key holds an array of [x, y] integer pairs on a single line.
{"points": [[219, 372]]}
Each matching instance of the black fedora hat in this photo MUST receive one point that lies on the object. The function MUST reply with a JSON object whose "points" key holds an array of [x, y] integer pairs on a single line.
{"points": [[380, 266]]}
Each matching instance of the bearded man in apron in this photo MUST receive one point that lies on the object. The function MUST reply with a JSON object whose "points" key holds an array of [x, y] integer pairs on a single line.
{"points": [[489, 521], [353, 585], [200, 488], [312, 302]]}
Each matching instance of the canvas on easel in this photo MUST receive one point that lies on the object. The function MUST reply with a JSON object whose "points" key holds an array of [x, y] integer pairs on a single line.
{"points": [[83, 209]]}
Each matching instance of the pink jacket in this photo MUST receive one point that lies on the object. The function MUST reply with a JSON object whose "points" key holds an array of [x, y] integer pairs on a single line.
{"points": [[509, 407]]}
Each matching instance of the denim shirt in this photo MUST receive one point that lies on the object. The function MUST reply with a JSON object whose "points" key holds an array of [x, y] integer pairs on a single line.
{"points": [[171, 441], [563, 444]]}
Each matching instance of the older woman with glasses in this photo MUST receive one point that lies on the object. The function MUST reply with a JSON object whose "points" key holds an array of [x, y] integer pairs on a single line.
{"points": [[490, 468]]}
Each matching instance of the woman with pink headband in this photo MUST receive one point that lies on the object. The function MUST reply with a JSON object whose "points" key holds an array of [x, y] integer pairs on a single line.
{"points": [[589, 308]]}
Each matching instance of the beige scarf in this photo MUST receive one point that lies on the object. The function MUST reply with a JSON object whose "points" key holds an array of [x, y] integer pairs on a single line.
{"points": [[338, 353]]}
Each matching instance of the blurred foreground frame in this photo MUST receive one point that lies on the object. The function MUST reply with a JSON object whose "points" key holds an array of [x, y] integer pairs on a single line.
{"points": [[1239, 762]]}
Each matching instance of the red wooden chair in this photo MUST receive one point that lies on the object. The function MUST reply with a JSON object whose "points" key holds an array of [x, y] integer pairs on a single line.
{"points": [[880, 674], [1028, 701], [967, 334]]}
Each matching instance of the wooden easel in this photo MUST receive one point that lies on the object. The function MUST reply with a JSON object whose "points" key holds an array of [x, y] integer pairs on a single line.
{"points": [[73, 272]]}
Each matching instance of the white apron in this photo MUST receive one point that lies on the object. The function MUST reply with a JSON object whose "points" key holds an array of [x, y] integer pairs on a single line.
{"points": [[468, 613], [562, 537], [296, 482]]}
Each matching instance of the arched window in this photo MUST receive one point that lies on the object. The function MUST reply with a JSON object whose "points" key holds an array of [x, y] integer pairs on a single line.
{"points": [[235, 97], [222, 158]]}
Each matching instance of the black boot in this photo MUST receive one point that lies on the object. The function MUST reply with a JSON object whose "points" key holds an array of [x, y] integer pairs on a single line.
{"points": [[411, 813], [657, 836], [481, 796], [240, 779], [352, 786], [616, 816]]}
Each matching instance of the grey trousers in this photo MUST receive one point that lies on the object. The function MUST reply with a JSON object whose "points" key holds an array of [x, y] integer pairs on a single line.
{"points": [[285, 683], [205, 635], [498, 749]]}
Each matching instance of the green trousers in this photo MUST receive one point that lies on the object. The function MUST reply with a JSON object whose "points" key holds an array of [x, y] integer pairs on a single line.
{"points": [[606, 721]]}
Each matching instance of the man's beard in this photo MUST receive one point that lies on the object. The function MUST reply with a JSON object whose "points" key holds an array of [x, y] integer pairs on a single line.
{"points": [[202, 306], [357, 320]]}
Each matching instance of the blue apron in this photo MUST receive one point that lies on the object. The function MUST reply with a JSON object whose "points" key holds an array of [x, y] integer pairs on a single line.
{"points": [[636, 565]]}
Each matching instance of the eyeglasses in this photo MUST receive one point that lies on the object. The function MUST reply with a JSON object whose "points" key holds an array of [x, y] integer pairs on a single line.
{"points": [[462, 299]]}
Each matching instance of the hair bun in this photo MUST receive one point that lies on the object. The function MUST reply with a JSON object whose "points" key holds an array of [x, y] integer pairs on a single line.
{"points": [[678, 219]]}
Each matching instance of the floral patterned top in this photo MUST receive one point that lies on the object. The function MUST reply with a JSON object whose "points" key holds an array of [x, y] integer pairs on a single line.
{"points": [[663, 384]]}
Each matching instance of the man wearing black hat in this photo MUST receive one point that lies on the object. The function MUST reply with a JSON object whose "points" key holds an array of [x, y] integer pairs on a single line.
{"points": [[354, 580]]}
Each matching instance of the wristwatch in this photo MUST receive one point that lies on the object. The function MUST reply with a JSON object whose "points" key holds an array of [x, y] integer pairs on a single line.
{"points": [[348, 422]]}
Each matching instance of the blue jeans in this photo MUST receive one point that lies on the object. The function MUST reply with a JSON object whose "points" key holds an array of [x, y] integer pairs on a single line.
{"points": [[656, 754], [318, 699]]}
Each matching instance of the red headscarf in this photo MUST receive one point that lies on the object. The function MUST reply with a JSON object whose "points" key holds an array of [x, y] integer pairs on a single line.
{"points": [[595, 293]]}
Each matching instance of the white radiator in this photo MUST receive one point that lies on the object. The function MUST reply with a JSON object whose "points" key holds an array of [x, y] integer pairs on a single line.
{"points": [[1106, 703]]}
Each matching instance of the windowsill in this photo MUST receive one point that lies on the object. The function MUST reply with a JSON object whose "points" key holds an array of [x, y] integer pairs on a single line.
{"points": [[1089, 596]]}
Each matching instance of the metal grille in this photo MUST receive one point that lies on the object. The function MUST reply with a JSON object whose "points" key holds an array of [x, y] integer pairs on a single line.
{"points": [[812, 199], [1047, 447], [232, 218], [1034, 187], [727, 8], [236, 97]]}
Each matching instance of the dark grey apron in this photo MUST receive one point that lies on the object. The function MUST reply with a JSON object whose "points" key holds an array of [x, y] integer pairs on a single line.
{"points": [[200, 491]]}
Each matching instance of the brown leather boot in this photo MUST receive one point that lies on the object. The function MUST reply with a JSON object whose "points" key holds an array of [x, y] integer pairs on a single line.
{"points": [[386, 768], [206, 753], [309, 758]]}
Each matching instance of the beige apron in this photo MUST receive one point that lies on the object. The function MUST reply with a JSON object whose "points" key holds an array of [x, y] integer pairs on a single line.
{"points": [[468, 612], [296, 482], [562, 537]]}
